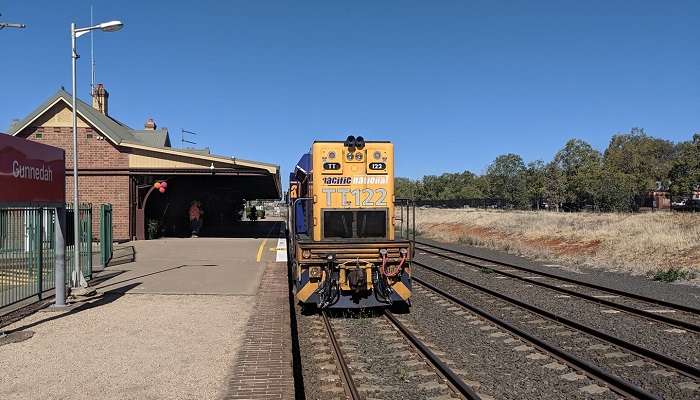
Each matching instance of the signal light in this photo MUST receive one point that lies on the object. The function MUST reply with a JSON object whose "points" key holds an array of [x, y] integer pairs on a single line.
{"points": [[350, 142]]}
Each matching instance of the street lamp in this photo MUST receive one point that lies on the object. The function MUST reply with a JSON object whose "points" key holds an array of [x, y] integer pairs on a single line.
{"points": [[11, 25], [77, 277]]}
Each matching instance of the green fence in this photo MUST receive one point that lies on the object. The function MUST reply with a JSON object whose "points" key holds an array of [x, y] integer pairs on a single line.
{"points": [[27, 251]]}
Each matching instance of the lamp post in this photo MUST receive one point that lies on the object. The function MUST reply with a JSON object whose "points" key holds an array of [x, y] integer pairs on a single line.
{"points": [[77, 277]]}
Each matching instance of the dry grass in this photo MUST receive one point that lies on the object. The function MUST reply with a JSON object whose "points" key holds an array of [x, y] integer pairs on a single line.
{"points": [[637, 243]]}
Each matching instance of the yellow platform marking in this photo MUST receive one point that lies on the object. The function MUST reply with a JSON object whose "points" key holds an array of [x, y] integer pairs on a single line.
{"points": [[260, 250]]}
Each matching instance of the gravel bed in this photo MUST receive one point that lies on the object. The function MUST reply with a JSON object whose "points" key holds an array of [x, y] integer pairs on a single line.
{"points": [[679, 293], [657, 336], [383, 364], [534, 277], [319, 371], [492, 359], [654, 378]]}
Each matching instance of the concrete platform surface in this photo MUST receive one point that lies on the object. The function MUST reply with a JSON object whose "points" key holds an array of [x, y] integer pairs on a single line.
{"points": [[127, 347], [167, 323], [225, 266]]}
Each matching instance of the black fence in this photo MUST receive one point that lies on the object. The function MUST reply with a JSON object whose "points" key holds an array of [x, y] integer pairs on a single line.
{"points": [[675, 203], [485, 203]]}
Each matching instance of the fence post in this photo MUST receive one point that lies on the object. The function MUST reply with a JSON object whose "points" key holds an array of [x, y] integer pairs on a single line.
{"points": [[106, 248]]}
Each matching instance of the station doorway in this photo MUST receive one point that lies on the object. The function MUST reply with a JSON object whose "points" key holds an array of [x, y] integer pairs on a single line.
{"points": [[222, 199]]}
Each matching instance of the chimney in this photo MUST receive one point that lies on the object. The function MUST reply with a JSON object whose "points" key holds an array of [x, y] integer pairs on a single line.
{"points": [[99, 98], [150, 125]]}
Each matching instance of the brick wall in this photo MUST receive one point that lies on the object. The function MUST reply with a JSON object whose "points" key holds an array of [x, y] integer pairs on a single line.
{"points": [[93, 153]]}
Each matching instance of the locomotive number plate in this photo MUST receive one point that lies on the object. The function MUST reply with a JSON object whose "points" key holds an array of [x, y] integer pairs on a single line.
{"points": [[377, 166], [331, 166], [361, 197]]}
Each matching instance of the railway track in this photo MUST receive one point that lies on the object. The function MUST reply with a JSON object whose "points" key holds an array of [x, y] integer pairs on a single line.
{"points": [[687, 317], [432, 383], [625, 367]]}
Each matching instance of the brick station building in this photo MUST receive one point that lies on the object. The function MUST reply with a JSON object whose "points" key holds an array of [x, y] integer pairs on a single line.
{"points": [[118, 165]]}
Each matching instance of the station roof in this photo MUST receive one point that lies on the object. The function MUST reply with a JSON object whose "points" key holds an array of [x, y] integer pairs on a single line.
{"points": [[153, 141]]}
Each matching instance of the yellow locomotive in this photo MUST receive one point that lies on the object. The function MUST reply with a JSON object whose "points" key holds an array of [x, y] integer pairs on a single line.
{"points": [[350, 244]]}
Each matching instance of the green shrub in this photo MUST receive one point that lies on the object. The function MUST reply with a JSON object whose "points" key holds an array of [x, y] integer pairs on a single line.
{"points": [[672, 274]]}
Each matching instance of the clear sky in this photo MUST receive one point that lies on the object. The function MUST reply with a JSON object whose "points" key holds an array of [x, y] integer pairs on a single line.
{"points": [[452, 83]]}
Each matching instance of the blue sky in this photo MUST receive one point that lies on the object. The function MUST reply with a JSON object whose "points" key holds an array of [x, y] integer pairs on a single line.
{"points": [[452, 83]]}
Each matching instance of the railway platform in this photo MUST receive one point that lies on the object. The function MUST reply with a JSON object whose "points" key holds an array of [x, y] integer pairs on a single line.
{"points": [[200, 318]]}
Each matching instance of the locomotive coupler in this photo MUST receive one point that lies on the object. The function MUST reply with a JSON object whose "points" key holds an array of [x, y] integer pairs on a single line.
{"points": [[357, 279]]}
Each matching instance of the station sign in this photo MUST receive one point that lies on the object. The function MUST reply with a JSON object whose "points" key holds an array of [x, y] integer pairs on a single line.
{"points": [[31, 172]]}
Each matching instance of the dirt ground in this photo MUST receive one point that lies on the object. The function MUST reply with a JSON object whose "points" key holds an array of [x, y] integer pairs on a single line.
{"points": [[133, 346], [640, 244]]}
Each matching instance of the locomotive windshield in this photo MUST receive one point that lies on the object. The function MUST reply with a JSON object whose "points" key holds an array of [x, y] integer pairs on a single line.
{"points": [[349, 224]]}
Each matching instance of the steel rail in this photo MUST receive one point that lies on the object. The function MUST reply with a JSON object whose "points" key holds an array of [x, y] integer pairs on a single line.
{"points": [[629, 309], [446, 371], [348, 382], [619, 385], [636, 296], [641, 351]]}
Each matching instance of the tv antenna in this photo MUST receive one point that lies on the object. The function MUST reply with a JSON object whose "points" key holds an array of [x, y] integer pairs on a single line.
{"points": [[11, 25], [184, 132]]}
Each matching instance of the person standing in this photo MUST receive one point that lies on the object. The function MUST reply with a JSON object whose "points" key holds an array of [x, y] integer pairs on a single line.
{"points": [[196, 214]]}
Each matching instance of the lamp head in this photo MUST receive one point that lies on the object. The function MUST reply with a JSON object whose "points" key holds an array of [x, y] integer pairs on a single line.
{"points": [[111, 26]]}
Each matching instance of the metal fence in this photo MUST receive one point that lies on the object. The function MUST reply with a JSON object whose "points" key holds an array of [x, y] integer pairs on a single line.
{"points": [[27, 251], [85, 245]]}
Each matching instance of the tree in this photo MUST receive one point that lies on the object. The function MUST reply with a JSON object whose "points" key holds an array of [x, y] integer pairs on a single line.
{"points": [[535, 182], [643, 160], [685, 169], [554, 186], [506, 179], [581, 166], [405, 188]]}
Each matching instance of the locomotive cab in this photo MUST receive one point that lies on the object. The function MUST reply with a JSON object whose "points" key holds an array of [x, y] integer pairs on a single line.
{"points": [[349, 247]]}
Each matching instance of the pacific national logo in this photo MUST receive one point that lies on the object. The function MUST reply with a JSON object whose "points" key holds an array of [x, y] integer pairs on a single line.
{"points": [[337, 180], [354, 180], [30, 172]]}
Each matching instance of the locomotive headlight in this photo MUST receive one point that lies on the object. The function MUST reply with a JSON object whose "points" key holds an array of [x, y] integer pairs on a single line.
{"points": [[377, 155], [314, 272], [306, 253], [403, 252], [350, 156], [358, 156], [331, 155]]}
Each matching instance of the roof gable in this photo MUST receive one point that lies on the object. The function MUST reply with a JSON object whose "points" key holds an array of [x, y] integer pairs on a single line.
{"points": [[114, 130]]}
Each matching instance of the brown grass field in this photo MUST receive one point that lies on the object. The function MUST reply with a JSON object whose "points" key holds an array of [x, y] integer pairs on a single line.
{"points": [[641, 244]]}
